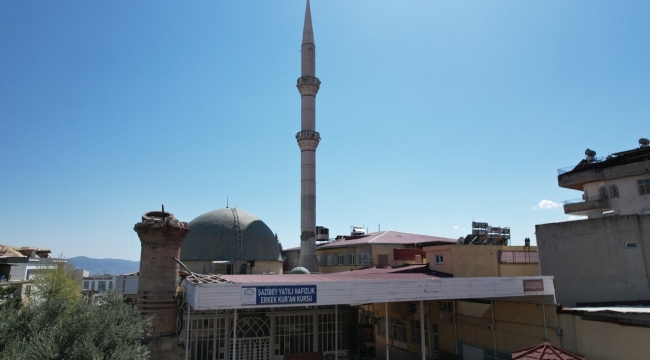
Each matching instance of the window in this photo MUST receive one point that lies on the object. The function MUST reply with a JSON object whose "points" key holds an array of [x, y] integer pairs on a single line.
{"points": [[602, 192], [518, 257], [444, 305], [101, 287], [440, 259], [644, 186], [364, 259], [293, 334], [86, 283], [339, 260], [329, 259], [351, 259], [381, 325], [326, 333], [613, 191], [436, 339], [415, 331], [415, 308], [397, 330]]}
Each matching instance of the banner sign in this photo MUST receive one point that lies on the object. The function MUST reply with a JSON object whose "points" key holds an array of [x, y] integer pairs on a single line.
{"points": [[534, 285], [278, 295]]}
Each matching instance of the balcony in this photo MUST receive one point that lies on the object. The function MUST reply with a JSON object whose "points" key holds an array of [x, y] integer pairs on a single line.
{"points": [[585, 206]]}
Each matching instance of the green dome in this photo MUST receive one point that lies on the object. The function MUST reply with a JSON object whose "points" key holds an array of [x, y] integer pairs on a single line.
{"points": [[213, 237]]}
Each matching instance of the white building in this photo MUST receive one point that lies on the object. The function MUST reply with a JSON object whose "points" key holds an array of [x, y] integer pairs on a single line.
{"points": [[616, 185]]}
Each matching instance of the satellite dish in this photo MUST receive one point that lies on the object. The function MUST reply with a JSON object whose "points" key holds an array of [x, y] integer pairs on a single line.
{"points": [[644, 142], [461, 241]]}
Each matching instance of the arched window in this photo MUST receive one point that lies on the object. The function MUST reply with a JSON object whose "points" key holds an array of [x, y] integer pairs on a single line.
{"points": [[613, 191], [602, 192]]}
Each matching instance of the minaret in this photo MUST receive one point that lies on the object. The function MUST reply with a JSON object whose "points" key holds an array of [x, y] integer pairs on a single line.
{"points": [[308, 139], [161, 235]]}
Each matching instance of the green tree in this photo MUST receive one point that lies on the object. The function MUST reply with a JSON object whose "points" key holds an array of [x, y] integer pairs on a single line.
{"points": [[59, 329], [8, 298], [56, 283]]}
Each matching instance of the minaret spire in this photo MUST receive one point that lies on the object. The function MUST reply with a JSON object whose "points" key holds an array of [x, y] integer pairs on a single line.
{"points": [[308, 139], [308, 30]]}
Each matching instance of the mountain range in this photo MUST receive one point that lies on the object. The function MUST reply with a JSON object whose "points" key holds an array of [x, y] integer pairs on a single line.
{"points": [[105, 266]]}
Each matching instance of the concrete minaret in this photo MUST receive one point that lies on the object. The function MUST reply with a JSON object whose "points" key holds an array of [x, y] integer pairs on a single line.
{"points": [[308, 138]]}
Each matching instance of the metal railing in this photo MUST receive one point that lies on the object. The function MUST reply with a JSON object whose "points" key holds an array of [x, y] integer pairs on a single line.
{"points": [[567, 169], [585, 199]]}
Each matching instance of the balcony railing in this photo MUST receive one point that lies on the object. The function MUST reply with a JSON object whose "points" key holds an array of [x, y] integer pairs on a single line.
{"points": [[585, 199], [567, 169]]}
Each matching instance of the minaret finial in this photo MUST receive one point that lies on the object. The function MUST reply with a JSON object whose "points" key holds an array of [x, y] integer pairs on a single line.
{"points": [[307, 31]]}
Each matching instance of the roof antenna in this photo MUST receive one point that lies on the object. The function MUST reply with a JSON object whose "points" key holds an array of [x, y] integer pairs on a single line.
{"points": [[226, 202], [163, 210]]}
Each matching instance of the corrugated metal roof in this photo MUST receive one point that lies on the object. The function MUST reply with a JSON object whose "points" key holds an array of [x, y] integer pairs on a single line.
{"points": [[316, 278], [389, 237], [391, 270]]}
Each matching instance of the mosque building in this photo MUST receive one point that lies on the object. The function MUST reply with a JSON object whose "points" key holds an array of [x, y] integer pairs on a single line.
{"points": [[233, 301]]}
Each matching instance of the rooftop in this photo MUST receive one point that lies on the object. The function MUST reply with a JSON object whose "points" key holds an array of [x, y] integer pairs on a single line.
{"points": [[388, 237], [308, 278], [615, 159]]}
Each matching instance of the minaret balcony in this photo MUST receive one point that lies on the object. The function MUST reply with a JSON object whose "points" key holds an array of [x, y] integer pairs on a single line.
{"points": [[308, 80], [308, 85], [308, 140], [308, 135]]}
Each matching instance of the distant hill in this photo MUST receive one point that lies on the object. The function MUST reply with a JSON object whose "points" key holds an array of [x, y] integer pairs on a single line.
{"points": [[105, 266]]}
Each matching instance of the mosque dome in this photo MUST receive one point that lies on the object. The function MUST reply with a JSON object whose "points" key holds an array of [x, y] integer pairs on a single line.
{"points": [[299, 270], [213, 236]]}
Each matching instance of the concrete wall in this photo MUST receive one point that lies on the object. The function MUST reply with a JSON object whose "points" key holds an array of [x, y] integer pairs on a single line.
{"points": [[590, 261], [517, 325], [600, 340], [373, 250], [478, 261]]}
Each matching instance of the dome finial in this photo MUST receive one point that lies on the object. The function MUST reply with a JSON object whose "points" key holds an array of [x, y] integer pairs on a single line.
{"points": [[226, 202]]}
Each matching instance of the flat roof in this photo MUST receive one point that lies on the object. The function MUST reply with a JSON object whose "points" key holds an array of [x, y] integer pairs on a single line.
{"points": [[388, 237]]}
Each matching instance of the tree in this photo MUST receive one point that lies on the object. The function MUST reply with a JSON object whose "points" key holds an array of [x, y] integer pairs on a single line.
{"points": [[59, 329], [56, 283], [7, 297]]}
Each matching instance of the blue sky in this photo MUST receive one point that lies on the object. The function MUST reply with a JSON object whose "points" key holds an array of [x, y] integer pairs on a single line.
{"points": [[432, 113]]}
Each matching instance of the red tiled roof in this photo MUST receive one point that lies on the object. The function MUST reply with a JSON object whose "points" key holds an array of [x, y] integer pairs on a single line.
{"points": [[390, 238], [315, 278], [545, 351]]}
